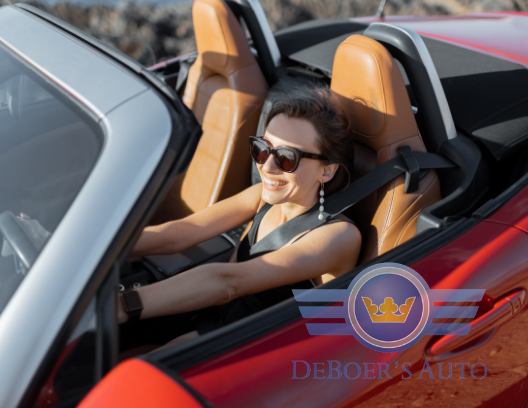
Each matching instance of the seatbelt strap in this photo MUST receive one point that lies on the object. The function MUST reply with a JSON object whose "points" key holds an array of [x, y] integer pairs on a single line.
{"points": [[183, 73], [412, 175], [355, 192]]}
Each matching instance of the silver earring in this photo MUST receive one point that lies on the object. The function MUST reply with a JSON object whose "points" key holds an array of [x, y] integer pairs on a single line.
{"points": [[321, 200]]}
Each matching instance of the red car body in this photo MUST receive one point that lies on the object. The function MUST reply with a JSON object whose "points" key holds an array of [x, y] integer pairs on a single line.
{"points": [[492, 254]]}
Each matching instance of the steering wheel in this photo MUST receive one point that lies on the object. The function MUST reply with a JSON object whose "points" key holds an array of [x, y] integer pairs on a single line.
{"points": [[18, 238]]}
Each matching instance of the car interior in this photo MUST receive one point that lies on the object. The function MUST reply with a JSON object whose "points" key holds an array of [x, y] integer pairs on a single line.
{"points": [[229, 85], [397, 88]]}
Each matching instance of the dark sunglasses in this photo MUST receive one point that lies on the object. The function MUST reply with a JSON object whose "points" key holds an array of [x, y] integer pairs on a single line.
{"points": [[286, 158]]}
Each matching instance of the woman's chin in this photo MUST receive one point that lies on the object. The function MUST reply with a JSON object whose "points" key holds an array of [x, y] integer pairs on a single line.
{"points": [[274, 195]]}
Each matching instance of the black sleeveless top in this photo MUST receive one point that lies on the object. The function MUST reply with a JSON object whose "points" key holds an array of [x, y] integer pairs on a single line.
{"points": [[248, 249]]}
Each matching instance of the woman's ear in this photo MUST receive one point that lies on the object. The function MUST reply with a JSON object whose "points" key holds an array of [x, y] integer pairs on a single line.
{"points": [[329, 172]]}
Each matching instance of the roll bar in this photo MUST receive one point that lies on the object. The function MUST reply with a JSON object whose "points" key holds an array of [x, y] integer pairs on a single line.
{"points": [[433, 116]]}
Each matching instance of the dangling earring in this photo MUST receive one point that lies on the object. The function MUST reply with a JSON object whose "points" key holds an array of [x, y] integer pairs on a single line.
{"points": [[321, 200]]}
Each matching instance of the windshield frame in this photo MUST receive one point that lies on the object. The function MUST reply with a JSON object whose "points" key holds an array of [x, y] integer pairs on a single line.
{"points": [[137, 126]]}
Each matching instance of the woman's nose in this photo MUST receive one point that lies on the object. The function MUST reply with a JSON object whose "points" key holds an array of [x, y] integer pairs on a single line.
{"points": [[269, 165]]}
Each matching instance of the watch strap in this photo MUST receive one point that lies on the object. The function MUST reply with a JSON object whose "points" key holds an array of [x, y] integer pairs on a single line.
{"points": [[132, 305]]}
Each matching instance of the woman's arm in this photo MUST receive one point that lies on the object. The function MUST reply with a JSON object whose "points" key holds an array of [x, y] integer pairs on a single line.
{"points": [[332, 249], [174, 236]]}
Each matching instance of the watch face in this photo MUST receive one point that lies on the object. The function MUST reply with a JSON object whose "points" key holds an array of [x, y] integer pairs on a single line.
{"points": [[132, 301]]}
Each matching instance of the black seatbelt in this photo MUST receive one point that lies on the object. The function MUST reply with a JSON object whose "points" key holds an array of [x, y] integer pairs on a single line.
{"points": [[355, 192], [183, 73]]}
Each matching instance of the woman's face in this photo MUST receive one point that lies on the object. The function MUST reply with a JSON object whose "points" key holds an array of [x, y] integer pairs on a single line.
{"points": [[302, 186]]}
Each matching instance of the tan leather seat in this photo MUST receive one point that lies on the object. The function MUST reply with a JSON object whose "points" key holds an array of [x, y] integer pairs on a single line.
{"points": [[225, 90], [371, 91]]}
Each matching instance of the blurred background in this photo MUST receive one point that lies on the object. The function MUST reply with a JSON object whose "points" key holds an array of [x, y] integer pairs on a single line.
{"points": [[151, 31]]}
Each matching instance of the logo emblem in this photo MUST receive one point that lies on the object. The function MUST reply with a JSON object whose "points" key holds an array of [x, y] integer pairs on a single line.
{"points": [[388, 307], [388, 312]]}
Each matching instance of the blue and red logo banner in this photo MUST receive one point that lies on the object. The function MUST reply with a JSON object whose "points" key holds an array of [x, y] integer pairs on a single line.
{"points": [[389, 307]]}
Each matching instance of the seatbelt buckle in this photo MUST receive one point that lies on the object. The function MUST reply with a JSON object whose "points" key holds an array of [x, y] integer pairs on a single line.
{"points": [[412, 173]]}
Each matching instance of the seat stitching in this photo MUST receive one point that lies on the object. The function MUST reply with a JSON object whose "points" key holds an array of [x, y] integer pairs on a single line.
{"points": [[397, 242], [391, 207], [417, 212], [386, 225]]}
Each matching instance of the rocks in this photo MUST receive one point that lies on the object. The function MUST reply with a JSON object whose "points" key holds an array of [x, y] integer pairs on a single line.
{"points": [[152, 33], [147, 33]]}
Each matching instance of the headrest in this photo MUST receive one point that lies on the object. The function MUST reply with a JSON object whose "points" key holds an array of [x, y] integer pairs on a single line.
{"points": [[221, 43], [371, 91]]}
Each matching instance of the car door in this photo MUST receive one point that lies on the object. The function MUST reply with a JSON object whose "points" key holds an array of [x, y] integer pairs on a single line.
{"points": [[497, 336], [89, 142], [272, 360], [486, 367]]}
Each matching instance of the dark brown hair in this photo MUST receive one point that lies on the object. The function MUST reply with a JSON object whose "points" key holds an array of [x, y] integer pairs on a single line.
{"points": [[317, 105]]}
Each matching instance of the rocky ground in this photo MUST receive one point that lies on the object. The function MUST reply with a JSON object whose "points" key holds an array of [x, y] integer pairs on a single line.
{"points": [[152, 33]]}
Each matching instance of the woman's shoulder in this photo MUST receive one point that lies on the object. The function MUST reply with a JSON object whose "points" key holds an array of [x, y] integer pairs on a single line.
{"points": [[345, 226], [347, 223]]}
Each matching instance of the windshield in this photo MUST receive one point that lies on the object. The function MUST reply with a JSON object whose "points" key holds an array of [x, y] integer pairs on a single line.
{"points": [[48, 147]]}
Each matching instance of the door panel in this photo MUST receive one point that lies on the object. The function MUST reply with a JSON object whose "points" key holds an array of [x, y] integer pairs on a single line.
{"points": [[481, 330], [514, 211], [490, 256], [498, 333], [505, 357]]}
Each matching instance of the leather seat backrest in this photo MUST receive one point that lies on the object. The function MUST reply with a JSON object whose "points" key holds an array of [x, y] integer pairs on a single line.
{"points": [[371, 90], [364, 162], [225, 90]]}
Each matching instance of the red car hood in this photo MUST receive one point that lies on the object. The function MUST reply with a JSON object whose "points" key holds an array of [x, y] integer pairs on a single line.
{"points": [[501, 34]]}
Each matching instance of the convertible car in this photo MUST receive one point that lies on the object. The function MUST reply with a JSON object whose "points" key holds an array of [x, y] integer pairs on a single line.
{"points": [[94, 146]]}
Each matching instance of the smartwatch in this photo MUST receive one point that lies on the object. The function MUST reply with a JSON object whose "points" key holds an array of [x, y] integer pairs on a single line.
{"points": [[132, 305]]}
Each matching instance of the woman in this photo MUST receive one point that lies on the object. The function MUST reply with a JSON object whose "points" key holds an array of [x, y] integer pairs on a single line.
{"points": [[305, 155]]}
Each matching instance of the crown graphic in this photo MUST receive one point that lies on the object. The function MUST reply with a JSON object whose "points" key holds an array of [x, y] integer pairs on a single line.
{"points": [[388, 312]]}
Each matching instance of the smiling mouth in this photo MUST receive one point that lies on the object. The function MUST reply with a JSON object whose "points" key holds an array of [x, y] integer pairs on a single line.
{"points": [[274, 183]]}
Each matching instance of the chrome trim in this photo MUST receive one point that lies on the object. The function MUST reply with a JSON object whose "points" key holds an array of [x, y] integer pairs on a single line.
{"points": [[266, 30], [433, 76], [98, 83], [137, 135]]}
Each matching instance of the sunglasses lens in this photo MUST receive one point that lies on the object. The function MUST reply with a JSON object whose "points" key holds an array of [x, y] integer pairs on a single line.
{"points": [[286, 160], [259, 151]]}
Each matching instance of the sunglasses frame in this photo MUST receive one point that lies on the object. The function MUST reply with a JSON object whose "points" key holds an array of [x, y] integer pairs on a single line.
{"points": [[272, 150]]}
